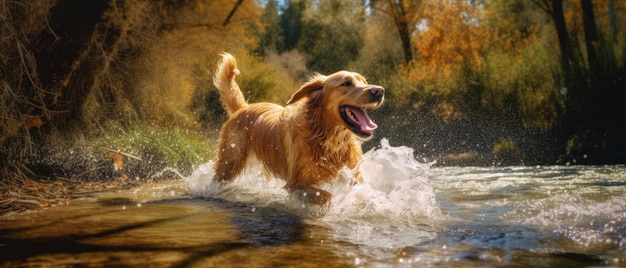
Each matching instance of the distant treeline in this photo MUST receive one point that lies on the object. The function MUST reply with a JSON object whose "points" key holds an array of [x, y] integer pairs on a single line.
{"points": [[468, 82]]}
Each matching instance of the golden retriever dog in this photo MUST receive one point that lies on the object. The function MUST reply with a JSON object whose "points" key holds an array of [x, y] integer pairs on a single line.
{"points": [[307, 142]]}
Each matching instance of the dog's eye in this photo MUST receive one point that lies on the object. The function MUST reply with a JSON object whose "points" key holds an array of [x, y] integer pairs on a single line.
{"points": [[346, 84]]}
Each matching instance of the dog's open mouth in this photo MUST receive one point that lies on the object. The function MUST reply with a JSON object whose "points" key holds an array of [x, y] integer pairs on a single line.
{"points": [[357, 120]]}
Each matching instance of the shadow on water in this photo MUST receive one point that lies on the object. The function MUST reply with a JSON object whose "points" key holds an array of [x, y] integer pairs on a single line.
{"points": [[266, 227], [609, 183], [497, 243], [219, 228], [23, 249], [55, 222]]}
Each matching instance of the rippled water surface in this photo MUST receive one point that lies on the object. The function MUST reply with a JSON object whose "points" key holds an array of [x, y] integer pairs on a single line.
{"points": [[406, 214]]}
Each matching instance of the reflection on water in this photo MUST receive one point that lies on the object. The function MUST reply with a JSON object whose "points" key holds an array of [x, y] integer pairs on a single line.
{"points": [[406, 214], [178, 231]]}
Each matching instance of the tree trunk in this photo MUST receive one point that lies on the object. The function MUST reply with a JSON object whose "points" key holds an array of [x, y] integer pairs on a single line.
{"points": [[591, 40], [613, 21], [565, 45], [399, 17]]}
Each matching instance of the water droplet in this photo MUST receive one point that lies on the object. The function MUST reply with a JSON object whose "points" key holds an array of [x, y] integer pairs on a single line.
{"points": [[233, 145], [139, 205]]}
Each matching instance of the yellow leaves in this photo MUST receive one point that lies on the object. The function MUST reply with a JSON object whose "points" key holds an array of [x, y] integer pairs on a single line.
{"points": [[32, 122], [118, 161], [117, 158], [537, 105], [447, 111], [453, 38]]}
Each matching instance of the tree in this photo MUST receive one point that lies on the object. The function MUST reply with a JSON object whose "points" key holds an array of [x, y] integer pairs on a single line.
{"points": [[554, 8], [331, 34], [589, 79], [453, 37], [272, 39], [291, 22], [591, 39], [106, 65], [404, 14]]}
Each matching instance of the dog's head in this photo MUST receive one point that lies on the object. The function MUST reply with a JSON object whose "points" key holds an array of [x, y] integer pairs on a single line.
{"points": [[345, 97]]}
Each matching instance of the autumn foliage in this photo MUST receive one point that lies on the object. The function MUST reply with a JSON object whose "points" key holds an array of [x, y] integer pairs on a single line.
{"points": [[462, 76], [452, 36]]}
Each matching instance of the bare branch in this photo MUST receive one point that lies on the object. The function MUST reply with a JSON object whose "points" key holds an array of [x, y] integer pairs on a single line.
{"points": [[232, 12]]}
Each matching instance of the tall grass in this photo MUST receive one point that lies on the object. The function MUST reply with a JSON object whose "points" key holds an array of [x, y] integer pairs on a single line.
{"points": [[21, 93], [148, 151]]}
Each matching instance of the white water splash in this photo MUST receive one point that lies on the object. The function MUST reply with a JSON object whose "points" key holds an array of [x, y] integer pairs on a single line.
{"points": [[395, 196], [250, 187], [395, 206], [585, 222], [395, 187]]}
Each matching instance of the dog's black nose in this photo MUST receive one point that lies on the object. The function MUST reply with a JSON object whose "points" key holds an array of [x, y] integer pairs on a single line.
{"points": [[377, 91]]}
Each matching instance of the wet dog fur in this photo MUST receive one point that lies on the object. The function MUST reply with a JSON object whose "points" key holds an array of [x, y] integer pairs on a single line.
{"points": [[306, 142]]}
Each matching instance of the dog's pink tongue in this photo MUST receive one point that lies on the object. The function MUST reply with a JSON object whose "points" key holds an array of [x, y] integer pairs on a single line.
{"points": [[367, 125]]}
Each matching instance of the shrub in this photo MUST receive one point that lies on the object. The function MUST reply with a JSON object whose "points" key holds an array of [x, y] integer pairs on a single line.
{"points": [[507, 152]]}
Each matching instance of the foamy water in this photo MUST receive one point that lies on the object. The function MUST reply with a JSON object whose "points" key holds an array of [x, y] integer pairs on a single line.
{"points": [[583, 204], [395, 198], [464, 211]]}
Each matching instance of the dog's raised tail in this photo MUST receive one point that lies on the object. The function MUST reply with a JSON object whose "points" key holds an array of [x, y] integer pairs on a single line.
{"points": [[224, 79]]}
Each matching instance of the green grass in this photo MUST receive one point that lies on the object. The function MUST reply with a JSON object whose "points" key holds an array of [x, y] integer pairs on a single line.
{"points": [[150, 150]]}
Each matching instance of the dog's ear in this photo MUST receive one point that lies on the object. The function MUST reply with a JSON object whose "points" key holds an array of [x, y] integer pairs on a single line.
{"points": [[316, 83]]}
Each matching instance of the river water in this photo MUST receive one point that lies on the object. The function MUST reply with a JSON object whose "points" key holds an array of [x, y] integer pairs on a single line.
{"points": [[406, 214]]}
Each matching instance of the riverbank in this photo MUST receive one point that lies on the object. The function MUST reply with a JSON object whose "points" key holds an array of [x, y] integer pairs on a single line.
{"points": [[20, 194]]}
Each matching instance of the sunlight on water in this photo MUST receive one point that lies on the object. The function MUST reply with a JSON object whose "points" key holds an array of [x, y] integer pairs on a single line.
{"points": [[584, 204], [590, 210], [405, 214], [394, 206], [409, 212]]}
